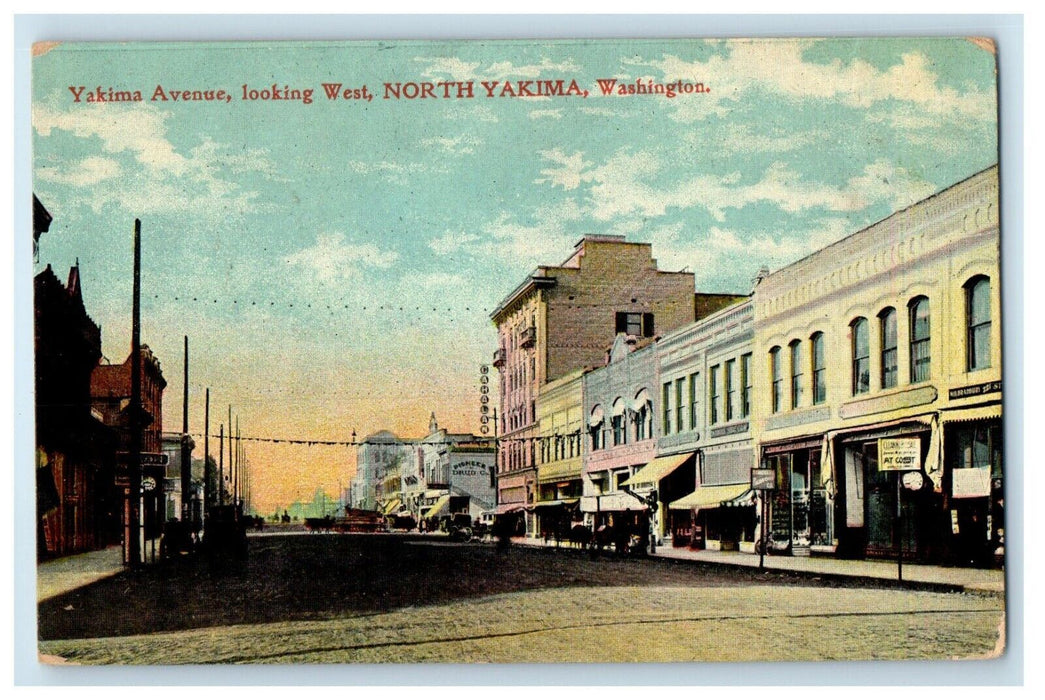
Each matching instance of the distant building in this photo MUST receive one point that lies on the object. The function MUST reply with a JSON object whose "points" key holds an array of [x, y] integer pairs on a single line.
{"points": [[77, 508], [380, 459], [560, 467], [456, 476], [173, 497]]}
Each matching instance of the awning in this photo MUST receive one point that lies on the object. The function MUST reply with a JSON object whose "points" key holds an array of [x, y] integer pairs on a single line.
{"points": [[970, 414], [504, 508], [714, 496], [596, 417], [560, 502], [438, 507], [391, 506], [656, 470]]}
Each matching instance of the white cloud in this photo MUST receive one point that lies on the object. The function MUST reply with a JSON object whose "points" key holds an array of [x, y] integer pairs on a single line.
{"points": [[154, 178], [545, 114], [331, 259], [453, 68], [89, 171], [391, 171], [451, 241], [778, 66], [621, 187], [458, 144], [567, 171]]}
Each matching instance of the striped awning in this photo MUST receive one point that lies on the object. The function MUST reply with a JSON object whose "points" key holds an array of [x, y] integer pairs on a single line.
{"points": [[391, 507], [714, 496], [438, 507], [656, 470]]}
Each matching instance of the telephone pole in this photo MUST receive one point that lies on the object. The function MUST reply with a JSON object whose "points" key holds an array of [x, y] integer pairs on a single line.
{"points": [[132, 508], [186, 453]]}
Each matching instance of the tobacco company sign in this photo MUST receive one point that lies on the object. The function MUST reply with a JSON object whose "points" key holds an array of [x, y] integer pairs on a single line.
{"points": [[899, 454]]}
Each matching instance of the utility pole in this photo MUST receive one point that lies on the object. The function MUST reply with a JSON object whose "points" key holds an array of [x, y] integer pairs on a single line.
{"points": [[221, 464], [207, 495], [132, 509], [186, 454], [235, 482]]}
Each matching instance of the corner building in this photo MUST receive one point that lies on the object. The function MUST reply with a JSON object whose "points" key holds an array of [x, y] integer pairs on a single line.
{"points": [[561, 319], [887, 344]]}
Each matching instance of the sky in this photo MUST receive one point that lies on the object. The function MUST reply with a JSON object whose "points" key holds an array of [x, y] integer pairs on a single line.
{"points": [[334, 264]]}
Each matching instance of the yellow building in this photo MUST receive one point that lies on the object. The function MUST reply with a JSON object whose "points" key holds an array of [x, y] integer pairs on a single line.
{"points": [[885, 349], [559, 463]]}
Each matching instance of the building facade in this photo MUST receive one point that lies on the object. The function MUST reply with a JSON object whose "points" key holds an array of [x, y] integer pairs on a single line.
{"points": [[560, 408], [707, 390], [77, 505], [561, 319], [881, 351]]}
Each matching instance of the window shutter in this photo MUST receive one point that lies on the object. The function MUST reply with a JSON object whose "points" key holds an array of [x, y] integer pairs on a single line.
{"points": [[647, 325], [622, 322]]}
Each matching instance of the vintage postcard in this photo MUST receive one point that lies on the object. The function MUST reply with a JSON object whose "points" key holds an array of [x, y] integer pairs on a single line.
{"points": [[518, 351]]}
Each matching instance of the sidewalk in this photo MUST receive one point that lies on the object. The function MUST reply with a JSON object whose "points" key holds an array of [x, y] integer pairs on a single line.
{"points": [[981, 580], [69, 573]]}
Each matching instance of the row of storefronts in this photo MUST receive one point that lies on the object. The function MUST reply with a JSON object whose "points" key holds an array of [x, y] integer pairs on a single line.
{"points": [[864, 379]]}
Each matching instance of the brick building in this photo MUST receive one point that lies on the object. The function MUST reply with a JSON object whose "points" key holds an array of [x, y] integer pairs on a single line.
{"points": [[563, 318]]}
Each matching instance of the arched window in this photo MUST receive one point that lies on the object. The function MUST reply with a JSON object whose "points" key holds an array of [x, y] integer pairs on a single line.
{"points": [[819, 369], [978, 322], [796, 373], [643, 416], [861, 350], [887, 336], [776, 378], [918, 310], [595, 421]]}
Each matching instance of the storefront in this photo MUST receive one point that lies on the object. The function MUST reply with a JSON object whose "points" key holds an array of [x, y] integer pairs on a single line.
{"points": [[716, 517], [665, 479], [974, 485], [868, 490], [799, 511]]}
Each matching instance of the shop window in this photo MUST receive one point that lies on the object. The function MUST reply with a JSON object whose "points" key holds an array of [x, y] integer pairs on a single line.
{"points": [[796, 373], [819, 369], [745, 385], [887, 329], [667, 408], [730, 378], [978, 322], [861, 350], [920, 354], [776, 379], [713, 393], [977, 446]]}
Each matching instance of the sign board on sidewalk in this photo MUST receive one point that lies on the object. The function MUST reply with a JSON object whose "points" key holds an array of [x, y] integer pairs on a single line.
{"points": [[899, 454]]}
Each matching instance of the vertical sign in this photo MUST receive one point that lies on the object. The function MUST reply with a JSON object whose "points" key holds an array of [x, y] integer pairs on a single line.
{"points": [[484, 399]]}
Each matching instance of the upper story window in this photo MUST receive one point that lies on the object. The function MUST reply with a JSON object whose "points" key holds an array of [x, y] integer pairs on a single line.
{"points": [[680, 406], [620, 432], [643, 417], [745, 385], [887, 331], [731, 389], [595, 421], [861, 347], [978, 322], [819, 369], [666, 407], [918, 310], [694, 398], [635, 323], [796, 373], [776, 379], [713, 392]]}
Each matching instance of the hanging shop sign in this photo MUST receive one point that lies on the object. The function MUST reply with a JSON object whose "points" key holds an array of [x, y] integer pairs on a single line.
{"points": [[763, 479], [484, 399], [899, 454]]}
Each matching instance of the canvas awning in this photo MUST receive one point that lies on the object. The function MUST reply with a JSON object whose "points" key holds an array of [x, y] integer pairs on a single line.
{"points": [[656, 470], [439, 506], [559, 502], [504, 508], [714, 496], [391, 507]]}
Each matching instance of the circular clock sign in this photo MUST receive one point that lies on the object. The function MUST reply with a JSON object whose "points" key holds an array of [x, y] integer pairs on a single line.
{"points": [[148, 484], [913, 480]]}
